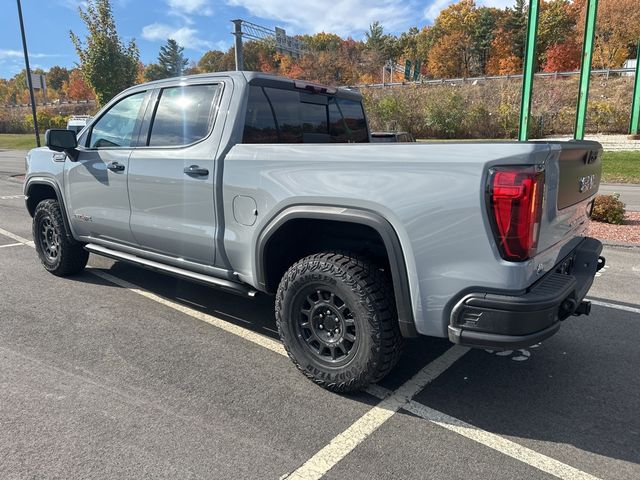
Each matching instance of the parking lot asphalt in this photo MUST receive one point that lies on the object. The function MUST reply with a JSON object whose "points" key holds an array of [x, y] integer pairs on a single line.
{"points": [[124, 373]]}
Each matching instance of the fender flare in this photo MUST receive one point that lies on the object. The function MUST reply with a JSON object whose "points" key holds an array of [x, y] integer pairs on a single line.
{"points": [[368, 218], [51, 183]]}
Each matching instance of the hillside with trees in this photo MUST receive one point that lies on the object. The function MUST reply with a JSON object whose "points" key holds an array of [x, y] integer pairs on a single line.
{"points": [[465, 40]]}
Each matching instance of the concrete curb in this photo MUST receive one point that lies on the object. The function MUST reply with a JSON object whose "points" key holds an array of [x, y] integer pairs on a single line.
{"points": [[609, 243], [13, 178]]}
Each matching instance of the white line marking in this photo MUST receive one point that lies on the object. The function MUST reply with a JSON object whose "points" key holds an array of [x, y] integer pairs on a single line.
{"points": [[12, 197], [500, 444], [391, 402], [253, 337], [232, 316], [345, 442], [488, 439], [12, 245], [15, 237], [189, 301], [616, 306]]}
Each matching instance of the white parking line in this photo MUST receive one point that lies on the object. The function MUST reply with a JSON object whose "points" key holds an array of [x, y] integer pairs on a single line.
{"points": [[253, 337], [345, 442], [12, 197], [12, 245], [488, 439], [500, 444], [17, 238], [391, 402], [616, 306]]}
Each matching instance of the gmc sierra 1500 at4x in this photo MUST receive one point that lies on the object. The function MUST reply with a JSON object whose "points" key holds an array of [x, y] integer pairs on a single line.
{"points": [[255, 183]]}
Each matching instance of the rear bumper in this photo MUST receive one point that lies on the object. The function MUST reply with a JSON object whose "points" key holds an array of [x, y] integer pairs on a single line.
{"points": [[509, 320]]}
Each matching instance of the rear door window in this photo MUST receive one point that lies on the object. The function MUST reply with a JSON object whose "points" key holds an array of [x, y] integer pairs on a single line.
{"points": [[183, 115]]}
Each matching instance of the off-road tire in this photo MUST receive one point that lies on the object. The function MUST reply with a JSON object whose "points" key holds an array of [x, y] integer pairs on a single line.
{"points": [[58, 253], [368, 295]]}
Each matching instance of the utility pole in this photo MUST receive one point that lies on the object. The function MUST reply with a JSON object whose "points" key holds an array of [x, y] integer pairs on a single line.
{"points": [[237, 32], [528, 74], [29, 80], [585, 68]]}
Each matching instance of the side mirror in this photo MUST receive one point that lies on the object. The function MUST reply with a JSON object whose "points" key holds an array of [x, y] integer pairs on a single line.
{"points": [[61, 140]]}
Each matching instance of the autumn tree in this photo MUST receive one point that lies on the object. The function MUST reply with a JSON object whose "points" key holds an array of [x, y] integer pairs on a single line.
{"points": [[322, 42], [213, 61], [557, 25], [617, 31], [452, 53], [76, 88], [502, 60], [56, 76], [563, 57], [106, 64], [445, 57]]}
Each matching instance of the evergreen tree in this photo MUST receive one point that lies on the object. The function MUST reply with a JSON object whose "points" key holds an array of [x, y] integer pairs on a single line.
{"points": [[171, 59], [516, 26]]}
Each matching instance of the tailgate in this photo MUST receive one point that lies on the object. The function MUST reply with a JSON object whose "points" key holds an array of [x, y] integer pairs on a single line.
{"points": [[572, 179]]}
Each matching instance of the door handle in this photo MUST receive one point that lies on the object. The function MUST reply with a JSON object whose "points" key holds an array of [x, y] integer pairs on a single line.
{"points": [[115, 167], [196, 170]]}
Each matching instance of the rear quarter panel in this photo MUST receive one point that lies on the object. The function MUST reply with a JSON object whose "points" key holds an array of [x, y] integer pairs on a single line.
{"points": [[432, 195]]}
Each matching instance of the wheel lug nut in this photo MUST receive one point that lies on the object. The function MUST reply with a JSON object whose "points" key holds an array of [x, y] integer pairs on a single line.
{"points": [[320, 326], [337, 330]]}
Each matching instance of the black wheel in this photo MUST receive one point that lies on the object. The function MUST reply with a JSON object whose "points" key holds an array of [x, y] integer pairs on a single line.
{"points": [[58, 253], [336, 317]]}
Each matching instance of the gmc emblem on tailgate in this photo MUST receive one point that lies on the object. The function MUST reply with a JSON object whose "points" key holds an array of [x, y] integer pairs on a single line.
{"points": [[586, 183]]}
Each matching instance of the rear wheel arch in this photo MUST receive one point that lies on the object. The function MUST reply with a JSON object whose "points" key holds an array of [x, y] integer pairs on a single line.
{"points": [[292, 235]]}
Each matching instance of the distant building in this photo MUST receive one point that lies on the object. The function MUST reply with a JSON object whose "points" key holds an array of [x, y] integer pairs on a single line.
{"points": [[630, 63]]}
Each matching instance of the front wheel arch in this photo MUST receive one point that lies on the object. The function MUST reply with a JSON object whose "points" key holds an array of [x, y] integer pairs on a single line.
{"points": [[42, 189]]}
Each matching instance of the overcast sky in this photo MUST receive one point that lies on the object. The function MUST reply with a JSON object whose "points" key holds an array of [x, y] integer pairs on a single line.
{"points": [[199, 25]]}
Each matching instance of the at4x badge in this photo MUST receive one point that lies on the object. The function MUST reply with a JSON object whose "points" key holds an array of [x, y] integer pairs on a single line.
{"points": [[84, 218], [586, 183]]}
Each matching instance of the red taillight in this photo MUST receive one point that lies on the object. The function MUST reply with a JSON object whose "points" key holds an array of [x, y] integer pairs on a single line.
{"points": [[515, 208]]}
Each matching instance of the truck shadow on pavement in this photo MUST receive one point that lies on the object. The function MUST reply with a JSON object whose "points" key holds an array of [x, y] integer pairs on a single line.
{"points": [[579, 389]]}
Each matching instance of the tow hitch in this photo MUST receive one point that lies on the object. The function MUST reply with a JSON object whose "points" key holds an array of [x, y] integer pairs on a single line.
{"points": [[583, 309], [571, 307]]}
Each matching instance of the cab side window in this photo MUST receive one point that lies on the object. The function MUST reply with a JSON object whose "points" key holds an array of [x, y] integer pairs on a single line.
{"points": [[117, 127], [183, 115]]}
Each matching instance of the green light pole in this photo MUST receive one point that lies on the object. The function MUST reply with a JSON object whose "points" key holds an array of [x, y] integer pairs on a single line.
{"points": [[585, 68], [529, 66], [635, 104]]}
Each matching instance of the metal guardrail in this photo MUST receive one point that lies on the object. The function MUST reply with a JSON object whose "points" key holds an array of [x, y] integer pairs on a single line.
{"points": [[51, 104], [440, 81]]}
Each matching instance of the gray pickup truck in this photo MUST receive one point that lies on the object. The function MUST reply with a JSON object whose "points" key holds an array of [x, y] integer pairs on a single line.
{"points": [[255, 183]]}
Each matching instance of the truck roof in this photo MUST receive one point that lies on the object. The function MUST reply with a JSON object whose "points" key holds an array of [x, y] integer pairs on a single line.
{"points": [[259, 78]]}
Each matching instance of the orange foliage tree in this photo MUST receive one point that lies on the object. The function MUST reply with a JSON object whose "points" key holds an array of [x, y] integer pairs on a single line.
{"points": [[563, 57], [76, 88], [617, 31], [502, 60]]}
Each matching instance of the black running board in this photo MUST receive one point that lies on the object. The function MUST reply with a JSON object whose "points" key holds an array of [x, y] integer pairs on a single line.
{"points": [[233, 287]]}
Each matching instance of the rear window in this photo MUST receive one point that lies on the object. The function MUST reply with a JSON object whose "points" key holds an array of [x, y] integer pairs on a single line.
{"points": [[287, 116]]}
